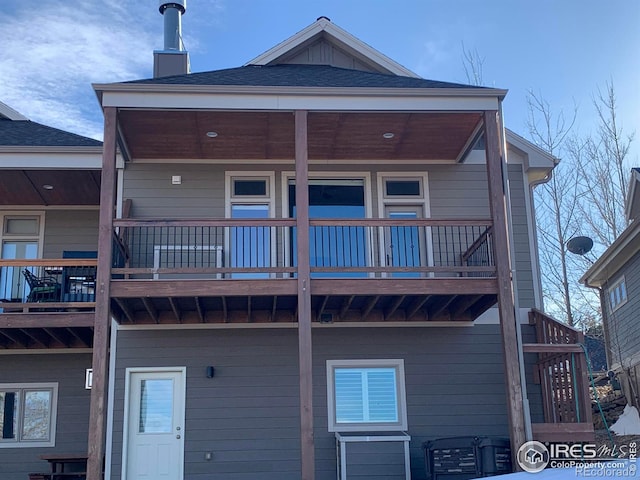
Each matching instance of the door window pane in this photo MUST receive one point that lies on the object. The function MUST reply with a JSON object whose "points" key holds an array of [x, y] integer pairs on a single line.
{"points": [[250, 246], [156, 406]]}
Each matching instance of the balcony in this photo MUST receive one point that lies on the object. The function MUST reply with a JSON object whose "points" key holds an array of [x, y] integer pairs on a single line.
{"points": [[362, 270], [47, 303]]}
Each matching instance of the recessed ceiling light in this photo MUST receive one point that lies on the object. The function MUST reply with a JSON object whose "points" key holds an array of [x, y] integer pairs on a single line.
{"points": [[388, 135], [212, 134], [47, 187]]}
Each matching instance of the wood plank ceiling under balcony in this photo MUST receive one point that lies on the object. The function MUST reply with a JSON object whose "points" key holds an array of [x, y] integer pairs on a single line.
{"points": [[179, 135], [49, 187]]}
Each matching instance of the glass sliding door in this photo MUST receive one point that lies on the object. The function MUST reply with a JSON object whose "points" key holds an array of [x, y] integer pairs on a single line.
{"points": [[334, 246]]}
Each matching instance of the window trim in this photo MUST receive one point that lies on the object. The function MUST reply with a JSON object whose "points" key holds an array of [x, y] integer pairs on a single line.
{"points": [[401, 396], [53, 414], [39, 237], [611, 290]]}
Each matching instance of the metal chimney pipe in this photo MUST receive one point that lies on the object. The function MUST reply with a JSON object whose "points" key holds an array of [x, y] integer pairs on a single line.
{"points": [[172, 13]]}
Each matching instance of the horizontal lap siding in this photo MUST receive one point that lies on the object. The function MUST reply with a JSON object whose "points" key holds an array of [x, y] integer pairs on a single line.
{"points": [[454, 382], [248, 414], [70, 230], [623, 333], [68, 370]]}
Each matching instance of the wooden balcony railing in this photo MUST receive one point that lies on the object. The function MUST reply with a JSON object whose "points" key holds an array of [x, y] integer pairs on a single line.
{"points": [[266, 248], [562, 373], [51, 283]]}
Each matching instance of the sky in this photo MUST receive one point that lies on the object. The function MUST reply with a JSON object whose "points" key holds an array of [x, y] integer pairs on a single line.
{"points": [[562, 50]]}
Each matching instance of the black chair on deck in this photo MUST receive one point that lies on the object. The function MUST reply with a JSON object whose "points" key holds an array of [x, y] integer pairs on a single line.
{"points": [[41, 289]]}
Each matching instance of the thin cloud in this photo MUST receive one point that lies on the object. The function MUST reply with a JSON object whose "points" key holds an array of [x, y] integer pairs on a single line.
{"points": [[54, 51]]}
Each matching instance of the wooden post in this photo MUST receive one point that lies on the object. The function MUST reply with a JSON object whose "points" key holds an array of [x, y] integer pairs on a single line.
{"points": [[96, 445], [508, 320], [304, 298]]}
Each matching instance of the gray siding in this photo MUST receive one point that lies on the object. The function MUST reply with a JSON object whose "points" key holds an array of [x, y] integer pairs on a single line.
{"points": [[248, 414], [70, 230], [455, 191], [323, 52], [623, 334], [73, 407]]}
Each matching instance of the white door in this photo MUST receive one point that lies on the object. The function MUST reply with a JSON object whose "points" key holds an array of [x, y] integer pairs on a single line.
{"points": [[154, 438]]}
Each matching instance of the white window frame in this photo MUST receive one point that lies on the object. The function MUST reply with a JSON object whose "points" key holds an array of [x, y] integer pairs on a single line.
{"points": [[401, 396], [39, 237], [614, 292], [230, 199], [422, 200], [29, 387]]}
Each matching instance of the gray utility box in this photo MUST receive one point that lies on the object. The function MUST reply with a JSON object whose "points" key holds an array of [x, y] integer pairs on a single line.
{"points": [[463, 458]]}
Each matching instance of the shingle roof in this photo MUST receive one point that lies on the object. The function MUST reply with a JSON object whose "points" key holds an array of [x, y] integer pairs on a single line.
{"points": [[25, 133], [299, 76]]}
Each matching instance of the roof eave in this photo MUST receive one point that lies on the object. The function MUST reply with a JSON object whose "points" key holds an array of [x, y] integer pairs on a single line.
{"points": [[101, 88], [613, 257]]}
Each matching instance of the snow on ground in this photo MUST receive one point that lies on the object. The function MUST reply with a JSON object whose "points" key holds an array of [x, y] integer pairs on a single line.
{"points": [[628, 423]]}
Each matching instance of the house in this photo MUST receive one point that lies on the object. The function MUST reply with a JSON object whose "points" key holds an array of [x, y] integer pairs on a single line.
{"points": [[49, 205], [615, 275], [307, 267]]}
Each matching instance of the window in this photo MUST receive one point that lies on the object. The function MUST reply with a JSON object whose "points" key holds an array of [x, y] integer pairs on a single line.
{"points": [[617, 294], [28, 415], [366, 395]]}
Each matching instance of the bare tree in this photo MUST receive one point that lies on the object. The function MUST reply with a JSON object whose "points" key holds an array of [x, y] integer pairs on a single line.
{"points": [[472, 63], [557, 207], [602, 163]]}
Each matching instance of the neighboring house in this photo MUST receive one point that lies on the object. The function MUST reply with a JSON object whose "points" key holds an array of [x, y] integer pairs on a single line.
{"points": [[304, 252], [616, 274], [49, 204]]}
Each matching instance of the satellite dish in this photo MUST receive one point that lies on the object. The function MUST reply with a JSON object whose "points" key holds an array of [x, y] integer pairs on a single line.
{"points": [[580, 245]]}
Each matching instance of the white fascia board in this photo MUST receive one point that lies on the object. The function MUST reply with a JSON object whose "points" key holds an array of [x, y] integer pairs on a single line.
{"points": [[343, 37], [537, 157], [8, 112], [328, 99], [46, 160], [614, 257]]}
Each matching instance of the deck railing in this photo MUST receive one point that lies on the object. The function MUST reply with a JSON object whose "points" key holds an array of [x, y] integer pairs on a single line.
{"points": [[562, 373], [267, 248], [47, 280]]}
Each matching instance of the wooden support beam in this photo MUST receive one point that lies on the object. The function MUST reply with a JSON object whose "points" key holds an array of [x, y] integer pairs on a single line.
{"points": [[151, 309], [38, 338], [199, 309], [249, 309], [47, 319], [125, 309], [394, 306], [75, 333], [58, 335], [307, 450], [225, 312], [369, 306], [274, 307], [417, 305], [345, 305], [100, 365], [176, 311], [496, 170], [15, 337], [323, 304], [442, 305]]}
